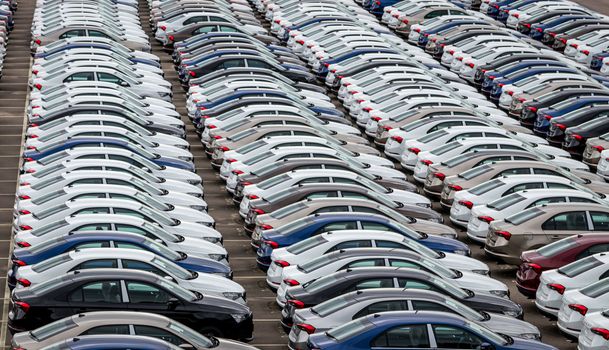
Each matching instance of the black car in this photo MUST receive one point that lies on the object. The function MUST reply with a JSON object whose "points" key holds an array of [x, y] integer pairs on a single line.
{"points": [[528, 114], [322, 289], [556, 133], [134, 290], [576, 137]]}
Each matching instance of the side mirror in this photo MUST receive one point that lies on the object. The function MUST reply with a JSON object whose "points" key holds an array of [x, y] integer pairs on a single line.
{"points": [[172, 303], [486, 346], [124, 83]]}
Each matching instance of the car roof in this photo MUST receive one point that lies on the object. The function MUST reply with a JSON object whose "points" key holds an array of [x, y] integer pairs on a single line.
{"points": [[382, 272], [378, 293], [359, 252]]}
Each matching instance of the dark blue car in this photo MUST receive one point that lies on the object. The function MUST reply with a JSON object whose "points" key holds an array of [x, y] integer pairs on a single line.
{"points": [[315, 224], [498, 84], [544, 115], [494, 7], [538, 29], [513, 69], [322, 70], [417, 330], [107, 239], [36, 154], [597, 60], [504, 11]]}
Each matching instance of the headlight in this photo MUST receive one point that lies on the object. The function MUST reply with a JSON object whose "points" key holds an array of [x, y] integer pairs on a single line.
{"points": [[512, 313], [164, 94], [448, 235], [482, 272], [462, 252], [500, 293], [186, 158], [532, 336], [214, 240], [217, 257], [198, 195], [194, 182], [199, 207], [239, 317], [232, 295], [436, 220], [424, 205]]}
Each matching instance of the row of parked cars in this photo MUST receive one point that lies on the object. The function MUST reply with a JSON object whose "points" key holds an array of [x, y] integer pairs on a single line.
{"points": [[113, 242], [326, 237], [7, 8]]}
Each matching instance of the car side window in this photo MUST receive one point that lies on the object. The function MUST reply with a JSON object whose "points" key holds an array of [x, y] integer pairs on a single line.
{"points": [[73, 33], [97, 34], [194, 19], [238, 62], [403, 263], [93, 211], [109, 329], [382, 306], [296, 155], [594, 249], [492, 159], [140, 265], [413, 284], [434, 14], [91, 245], [336, 226], [351, 244], [334, 209], [227, 29], [372, 283], [575, 220], [278, 133], [205, 30], [94, 227], [429, 306], [541, 171], [258, 64], [146, 293], [342, 180], [97, 292], [444, 125], [523, 187], [364, 263], [465, 135], [349, 194], [547, 201], [388, 244], [322, 194], [314, 180], [581, 200], [374, 226], [97, 264], [108, 78], [361, 209], [158, 333], [600, 220], [82, 76], [515, 171], [449, 337], [556, 185], [478, 147], [403, 337]]}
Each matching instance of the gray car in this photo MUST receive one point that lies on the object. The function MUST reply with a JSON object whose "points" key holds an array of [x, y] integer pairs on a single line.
{"points": [[347, 307], [122, 322]]}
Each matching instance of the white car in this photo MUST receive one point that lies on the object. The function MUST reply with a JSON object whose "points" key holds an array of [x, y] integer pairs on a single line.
{"points": [[483, 215], [595, 331], [577, 303], [124, 223], [488, 191], [572, 48], [293, 178], [330, 263], [124, 258], [602, 168], [540, 7], [311, 248], [576, 275]]}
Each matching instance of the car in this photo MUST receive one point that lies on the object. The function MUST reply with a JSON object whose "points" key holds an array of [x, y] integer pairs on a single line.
{"points": [[124, 258], [24, 255], [541, 225], [354, 279], [302, 274], [311, 248], [446, 330], [354, 305], [573, 276], [577, 303], [594, 331], [576, 136], [483, 215], [110, 323], [110, 289], [114, 342], [42, 38], [555, 255], [464, 201], [594, 146]]}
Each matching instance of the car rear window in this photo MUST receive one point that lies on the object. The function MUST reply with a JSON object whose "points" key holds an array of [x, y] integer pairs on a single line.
{"points": [[350, 329], [557, 247], [505, 202], [597, 289], [51, 329], [474, 172], [523, 216], [331, 306], [307, 244], [580, 266], [485, 187], [52, 262]]}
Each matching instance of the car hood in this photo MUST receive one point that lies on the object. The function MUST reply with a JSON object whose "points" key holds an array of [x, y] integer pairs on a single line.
{"points": [[478, 283], [509, 325], [492, 303]]}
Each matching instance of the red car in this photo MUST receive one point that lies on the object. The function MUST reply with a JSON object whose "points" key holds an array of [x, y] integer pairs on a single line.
{"points": [[555, 255]]}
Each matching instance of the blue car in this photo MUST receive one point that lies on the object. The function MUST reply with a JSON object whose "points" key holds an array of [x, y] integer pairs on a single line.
{"points": [[32, 255], [498, 84], [514, 69], [315, 224], [37, 154], [597, 60], [417, 330], [544, 115], [114, 342]]}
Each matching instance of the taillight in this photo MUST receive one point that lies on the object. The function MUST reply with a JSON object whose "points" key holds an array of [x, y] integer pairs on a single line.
{"points": [[24, 212], [272, 244], [192, 74], [455, 187], [163, 28], [282, 263], [561, 126], [505, 234], [258, 211], [577, 137], [539, 30], [599, 148], [231, 160], [586, 52], [171, 38], [296, 303], [291, 282], [427, 162], [24, 282], [211, 126], [266, 227], [532, 109], [376, 119], [387, 127], [414, 150], [252, 196], [25, 227], [19, 262], [579, 308], [25, 196], [38, 86], [471, 65], [603, 332], [439, 176], [486, 219], [467, 204], [559, 288], [224, 149], [535, 267], [23, 305], [398, 139], [38, 41], [306, 327], [23, 244]]}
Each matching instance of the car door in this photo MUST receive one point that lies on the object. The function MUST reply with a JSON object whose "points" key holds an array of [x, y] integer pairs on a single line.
{"points": [[452, 337], [368, 283], [593, 249], [104, 295], [382, 306], [362, 243], [549, 200], [600, 221], [146, 297], [565, 224], [403, 337], [158, 333]]}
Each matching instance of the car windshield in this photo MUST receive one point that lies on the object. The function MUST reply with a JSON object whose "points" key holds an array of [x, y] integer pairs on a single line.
{"points": [[307, 244], [288, 210], [485, 187], [464, 310], [474, 172], [52, 329], [51, 262], [187, 333], [596, 289], [46, 286], [557, 247], [524, 216], [487, 333], [177, 290], [275, 180], [331, 306], [504, 202], [449, 287], [350, 329], [172, 268], [580, 266]]}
